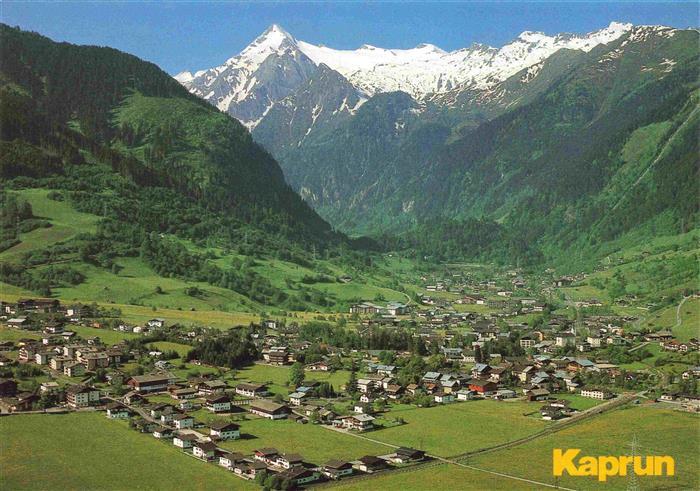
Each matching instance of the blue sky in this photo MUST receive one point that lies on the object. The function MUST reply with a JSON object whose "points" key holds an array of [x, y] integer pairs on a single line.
{"points": [[196, 35]]}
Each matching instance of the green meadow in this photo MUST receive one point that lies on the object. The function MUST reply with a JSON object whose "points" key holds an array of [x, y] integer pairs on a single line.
{"points": [[658, 432], [442, 476], [314, 442], [460, 427], [88, 451], [277, 377]]}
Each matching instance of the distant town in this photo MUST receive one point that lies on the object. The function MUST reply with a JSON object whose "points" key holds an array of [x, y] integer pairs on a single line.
{"points": [[460, 342]]}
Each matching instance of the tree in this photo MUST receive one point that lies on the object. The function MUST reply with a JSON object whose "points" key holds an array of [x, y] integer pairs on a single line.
{"points": [[351, 386], [478, 356], [296, 374]]}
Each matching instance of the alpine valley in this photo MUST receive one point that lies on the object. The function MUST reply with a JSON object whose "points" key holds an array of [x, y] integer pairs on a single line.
{"points": [[552, 144]]}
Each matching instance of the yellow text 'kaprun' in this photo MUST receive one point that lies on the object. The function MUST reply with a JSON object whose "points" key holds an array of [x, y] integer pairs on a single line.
{"points": [[606, 466]]}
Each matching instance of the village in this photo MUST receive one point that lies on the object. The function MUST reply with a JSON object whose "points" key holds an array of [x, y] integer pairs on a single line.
{"points": [[459, 341]]}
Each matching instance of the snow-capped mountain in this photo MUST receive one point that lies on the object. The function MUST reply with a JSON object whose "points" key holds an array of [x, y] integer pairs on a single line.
{"points": [[275, 64], [247, 85], [426, 69]]}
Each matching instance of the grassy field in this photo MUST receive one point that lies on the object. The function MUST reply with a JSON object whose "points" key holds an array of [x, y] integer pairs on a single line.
{"points": [[315, 443], [444, 476], [690, 319], [14, 335], [277, 377], [107, 336], [578, 402], [460, 427], [66, 223], [88, 451], [659, 432], [180, 349]]}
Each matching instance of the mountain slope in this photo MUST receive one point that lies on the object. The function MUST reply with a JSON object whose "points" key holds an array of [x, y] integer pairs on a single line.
{"points": [[171, 182]]}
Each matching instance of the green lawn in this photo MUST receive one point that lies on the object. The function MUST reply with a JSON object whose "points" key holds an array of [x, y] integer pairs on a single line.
{"points": [[180, 349], [88, 451], [107, 336], [277, 377], [460, 427], [659, 432], [445, 477], [14, 335], [578, 402], [315, 443]]}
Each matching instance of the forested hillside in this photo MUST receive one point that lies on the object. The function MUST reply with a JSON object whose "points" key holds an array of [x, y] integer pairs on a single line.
{"points": [[115, 137]]}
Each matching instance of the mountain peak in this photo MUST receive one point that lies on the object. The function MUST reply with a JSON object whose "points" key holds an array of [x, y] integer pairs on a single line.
{"points": [[276, 30]]}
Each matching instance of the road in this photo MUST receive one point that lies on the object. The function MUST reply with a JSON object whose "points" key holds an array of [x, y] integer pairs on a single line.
{"points": [[679, 320]]}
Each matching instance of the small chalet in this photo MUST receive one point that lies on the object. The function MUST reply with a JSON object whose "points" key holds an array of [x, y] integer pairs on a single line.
{"points": [[223, 430]]}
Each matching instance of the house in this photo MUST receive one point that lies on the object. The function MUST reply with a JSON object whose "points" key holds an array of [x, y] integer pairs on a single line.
{"points": [[386, 370], [504, 394], [358, 422], [42, 357], [365, 308], [58, 363], [297, 398], [208, 387], [527, 342], [82, 396], [249, 470], [412, 389], [370, 463], [465, 395], [596, 393], [229, 459], [443, 397], [46, 388], [482, 387], [579, 364], [319, 366], [481, 370], [251, 390], [405, 455], [17, 322], [217, 403], [204, 450], [269, 409], [299, 476], [182, 421], [93, 361], [184, 440], [335, 469], [267, 455], [183, 393], [537, 394], [163, 432], [21, 402], [287, 461], [148, 383], [278, 356], [393, 391], [116, 410], [156, 323], [564, 339], [431, 377], [396, 308], [8, 387], [223, 430]]}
